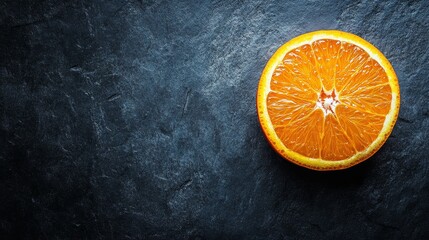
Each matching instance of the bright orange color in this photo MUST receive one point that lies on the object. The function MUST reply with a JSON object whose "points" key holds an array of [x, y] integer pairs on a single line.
{"points": [[328, 100]]}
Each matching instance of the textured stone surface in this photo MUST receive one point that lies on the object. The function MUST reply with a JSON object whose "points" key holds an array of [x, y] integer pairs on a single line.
{"points": [[136, 120]]}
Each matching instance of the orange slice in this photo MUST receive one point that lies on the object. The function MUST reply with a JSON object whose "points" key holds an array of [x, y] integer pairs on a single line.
{"points": [[327, 100]]}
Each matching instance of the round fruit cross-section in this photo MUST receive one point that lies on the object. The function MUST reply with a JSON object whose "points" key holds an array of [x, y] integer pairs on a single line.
{"points": [[327, 100]]}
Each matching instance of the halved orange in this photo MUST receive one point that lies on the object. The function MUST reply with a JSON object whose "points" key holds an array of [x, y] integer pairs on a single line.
{"points": [[328, 100]]}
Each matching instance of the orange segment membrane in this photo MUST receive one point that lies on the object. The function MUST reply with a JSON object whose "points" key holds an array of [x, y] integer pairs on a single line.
{"points": [[286, 110], [296, 74], [348, 73], [361, 127], [306, 141], [336, 145], [326, 54]]}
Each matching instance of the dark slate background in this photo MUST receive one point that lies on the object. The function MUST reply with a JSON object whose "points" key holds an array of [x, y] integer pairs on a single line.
{"points": [[136, 120]]}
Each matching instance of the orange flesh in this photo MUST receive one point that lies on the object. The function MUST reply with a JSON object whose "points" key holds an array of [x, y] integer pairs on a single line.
{"points": [[328, 100]]}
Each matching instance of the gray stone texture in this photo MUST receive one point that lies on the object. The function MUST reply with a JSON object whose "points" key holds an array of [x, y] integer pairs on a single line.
{"points": [[136, 120]]}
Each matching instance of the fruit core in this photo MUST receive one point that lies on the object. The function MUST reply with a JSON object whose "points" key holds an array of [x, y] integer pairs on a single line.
{"points": [[327, 101]]}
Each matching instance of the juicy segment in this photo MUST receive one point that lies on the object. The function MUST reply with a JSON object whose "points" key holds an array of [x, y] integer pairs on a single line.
{"points": [[333, 66]]}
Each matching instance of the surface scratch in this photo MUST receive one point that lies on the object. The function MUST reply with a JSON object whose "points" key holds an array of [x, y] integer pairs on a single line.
{"points": [[113, 97], [185, 105]]}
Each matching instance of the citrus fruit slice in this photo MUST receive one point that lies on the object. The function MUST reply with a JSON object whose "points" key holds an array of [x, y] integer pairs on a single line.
{"points": [[327, 100]]}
